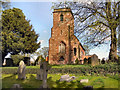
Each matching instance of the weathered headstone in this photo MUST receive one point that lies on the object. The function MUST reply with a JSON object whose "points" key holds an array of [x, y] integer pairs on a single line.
{"points": [[64, 77], [93, 60], [84, 81], [103, 61], [43, 74], [71, 78], [21, 71], [67, 78], [40, 73]]}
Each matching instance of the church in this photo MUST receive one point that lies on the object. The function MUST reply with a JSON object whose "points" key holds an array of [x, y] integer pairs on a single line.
{"points": [[64, 47]]}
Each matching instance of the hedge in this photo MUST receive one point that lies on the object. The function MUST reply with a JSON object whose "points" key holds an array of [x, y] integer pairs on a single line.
{"points": [[102, 69]]}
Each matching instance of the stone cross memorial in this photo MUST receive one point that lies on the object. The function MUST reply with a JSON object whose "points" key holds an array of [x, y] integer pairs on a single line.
{"points": [[21, 70], [43, 74]]}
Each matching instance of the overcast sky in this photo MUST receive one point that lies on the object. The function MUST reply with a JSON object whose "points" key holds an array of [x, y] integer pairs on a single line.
{"points": [[41, 17]]}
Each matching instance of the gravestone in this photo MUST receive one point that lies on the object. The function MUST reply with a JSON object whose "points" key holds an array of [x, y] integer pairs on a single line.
{"points": [[40, 73], [84, 81], [103, 61], [21, 71], [93, 60], [67, 78], [64, 77], [43, 74]]}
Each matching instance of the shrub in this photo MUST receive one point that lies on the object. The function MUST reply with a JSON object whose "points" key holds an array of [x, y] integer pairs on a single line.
{"points": [[119, 60], [17, 58], [89, 60], [77, 61], [85, 61], [98, 70]]}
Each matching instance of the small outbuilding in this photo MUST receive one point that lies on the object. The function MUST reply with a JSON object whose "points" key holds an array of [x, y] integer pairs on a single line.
{"points": [[8, 61]]}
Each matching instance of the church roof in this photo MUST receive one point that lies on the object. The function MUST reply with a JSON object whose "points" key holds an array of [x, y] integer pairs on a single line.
{"points": [[78, 41]]}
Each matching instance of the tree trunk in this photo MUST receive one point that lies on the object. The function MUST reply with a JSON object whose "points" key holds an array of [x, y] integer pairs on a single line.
{"points": [[113, 46]]}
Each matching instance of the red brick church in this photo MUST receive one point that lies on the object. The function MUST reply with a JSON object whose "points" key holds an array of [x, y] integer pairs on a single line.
{"points": [[64, 47]]}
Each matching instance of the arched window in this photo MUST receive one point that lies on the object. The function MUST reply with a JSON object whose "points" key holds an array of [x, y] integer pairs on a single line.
{"points": [[75, 51], [61, 58], [62, 47], [61, 17]]}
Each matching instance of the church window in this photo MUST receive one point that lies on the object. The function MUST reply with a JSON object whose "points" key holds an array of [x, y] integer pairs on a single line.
{"points": [[61, 58], [61, 17], [62, 47], [75, 51]]}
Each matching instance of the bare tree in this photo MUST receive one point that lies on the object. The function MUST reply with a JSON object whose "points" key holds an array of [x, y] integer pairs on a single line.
{"points": [[96, 23], [87, 50], [4, 4], [44, 52]]}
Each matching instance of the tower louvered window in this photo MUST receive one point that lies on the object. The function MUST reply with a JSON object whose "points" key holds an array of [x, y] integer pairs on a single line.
{"points": [[61, 17]]}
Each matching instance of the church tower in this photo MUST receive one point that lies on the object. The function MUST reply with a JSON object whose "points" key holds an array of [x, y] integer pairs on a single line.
{"points": [[60, 44]]}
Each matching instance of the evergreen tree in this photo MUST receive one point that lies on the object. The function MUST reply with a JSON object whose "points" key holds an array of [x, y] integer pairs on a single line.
{"points": [[17, 33]]}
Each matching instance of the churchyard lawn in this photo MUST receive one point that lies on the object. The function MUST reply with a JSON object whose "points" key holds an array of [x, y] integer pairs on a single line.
{"points": [[53, 81], [101, 76]]}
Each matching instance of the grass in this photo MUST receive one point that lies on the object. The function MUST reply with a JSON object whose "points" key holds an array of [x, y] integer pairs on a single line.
{"points": [[8, 80], [53, 81], [53, 66]]}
